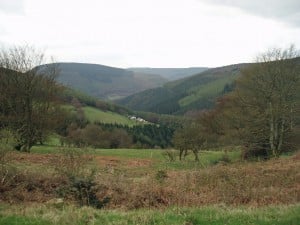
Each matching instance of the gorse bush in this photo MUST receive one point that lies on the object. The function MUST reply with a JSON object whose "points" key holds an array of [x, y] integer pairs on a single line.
{"points": [[74, 164], [85, 191]]}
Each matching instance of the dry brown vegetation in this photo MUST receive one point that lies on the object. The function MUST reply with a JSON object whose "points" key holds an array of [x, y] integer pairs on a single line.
{"points": [[276, 181], [262, 183]]}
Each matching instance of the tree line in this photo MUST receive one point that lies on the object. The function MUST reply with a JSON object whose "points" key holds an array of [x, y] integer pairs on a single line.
{"points": [[81, 133]]}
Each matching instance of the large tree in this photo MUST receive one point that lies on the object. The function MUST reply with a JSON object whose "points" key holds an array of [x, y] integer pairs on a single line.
{"points": [[27, 95], [189, 137], [265, 101]]}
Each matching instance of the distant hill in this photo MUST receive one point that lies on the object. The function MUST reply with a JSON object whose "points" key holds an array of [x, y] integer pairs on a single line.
{"points": [[177, 97], [170, 73], [106, 82]]}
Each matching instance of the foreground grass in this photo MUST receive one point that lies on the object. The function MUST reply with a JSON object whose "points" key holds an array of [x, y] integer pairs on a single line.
{"points": [[210, 215]]}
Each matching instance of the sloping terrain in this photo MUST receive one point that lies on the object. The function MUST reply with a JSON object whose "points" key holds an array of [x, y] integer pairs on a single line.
{"points": [[97, 115], [170, 73], [106, 82], [195, 92]]}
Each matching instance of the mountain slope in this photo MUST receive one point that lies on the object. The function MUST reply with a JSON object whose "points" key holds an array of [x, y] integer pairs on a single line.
{"points": [[177, 97], [170, 73], [106, 82]]}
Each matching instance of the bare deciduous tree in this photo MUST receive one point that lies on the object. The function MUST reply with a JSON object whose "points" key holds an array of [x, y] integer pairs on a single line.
{"points": [[190, 137], [27, 95], [267, 96]]}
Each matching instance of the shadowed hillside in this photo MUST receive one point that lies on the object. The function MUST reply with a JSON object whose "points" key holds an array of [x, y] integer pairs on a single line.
{"points": [[106, 82], [170, 73]]}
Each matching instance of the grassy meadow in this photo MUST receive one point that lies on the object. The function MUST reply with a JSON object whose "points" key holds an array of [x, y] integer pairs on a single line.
{"points": [[97, 115], [145, 186], [93, 114]]}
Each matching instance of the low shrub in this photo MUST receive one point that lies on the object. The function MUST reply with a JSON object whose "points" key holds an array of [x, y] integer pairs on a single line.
{"points": [[74, 165]]}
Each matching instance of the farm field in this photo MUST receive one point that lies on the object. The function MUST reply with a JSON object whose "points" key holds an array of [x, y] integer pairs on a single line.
{"points": [[93, 114], [97, 115]]}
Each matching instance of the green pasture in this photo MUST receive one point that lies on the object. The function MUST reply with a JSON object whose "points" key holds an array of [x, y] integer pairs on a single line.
{"points": [[96, 115], [158, 156]]}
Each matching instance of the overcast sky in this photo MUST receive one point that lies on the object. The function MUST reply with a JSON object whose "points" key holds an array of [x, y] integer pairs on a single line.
{"points": [[152, 33]]}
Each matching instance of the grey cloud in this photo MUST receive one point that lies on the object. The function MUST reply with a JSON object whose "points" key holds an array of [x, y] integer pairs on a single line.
{"points": [[287, 11], [12, 6]]}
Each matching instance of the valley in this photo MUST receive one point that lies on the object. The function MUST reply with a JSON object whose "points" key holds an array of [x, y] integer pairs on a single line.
{"points": [[91, 144]]}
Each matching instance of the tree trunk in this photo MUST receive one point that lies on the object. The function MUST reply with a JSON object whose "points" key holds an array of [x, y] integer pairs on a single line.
{"points": [[281, 136], [180, 154], [195, 151], [272, 129]]}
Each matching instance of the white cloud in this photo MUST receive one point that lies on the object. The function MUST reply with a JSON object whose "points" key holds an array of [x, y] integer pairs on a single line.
{"points": [[157, 33], [11, 6]]}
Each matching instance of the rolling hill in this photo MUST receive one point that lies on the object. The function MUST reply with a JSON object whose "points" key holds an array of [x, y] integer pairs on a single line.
{"points": [[170, 73], [106, 82], [177, 97]]}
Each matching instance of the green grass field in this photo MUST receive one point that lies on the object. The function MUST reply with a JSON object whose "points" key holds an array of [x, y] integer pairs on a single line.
{"points": [[211, 215], [96, 115], [160, 161]]}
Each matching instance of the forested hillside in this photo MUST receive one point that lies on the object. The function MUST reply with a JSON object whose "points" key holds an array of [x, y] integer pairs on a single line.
{"points": [[192, 93]]}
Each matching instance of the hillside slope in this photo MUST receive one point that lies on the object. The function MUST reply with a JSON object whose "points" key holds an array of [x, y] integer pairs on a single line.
{"points": [[177, 97], [170, 73], [106, 82]]}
